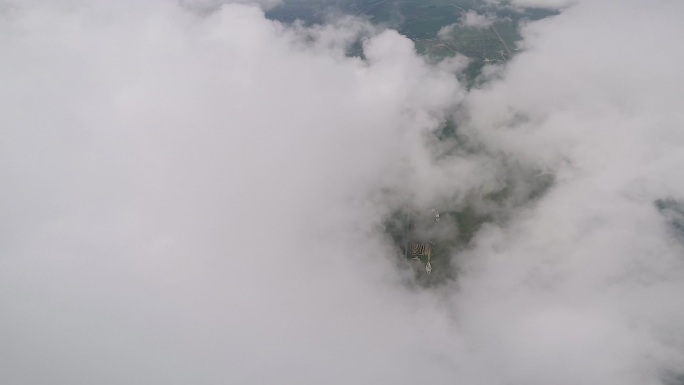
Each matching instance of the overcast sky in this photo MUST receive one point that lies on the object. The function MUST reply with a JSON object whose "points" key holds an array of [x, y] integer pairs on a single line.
{"points": [[193, 198]]}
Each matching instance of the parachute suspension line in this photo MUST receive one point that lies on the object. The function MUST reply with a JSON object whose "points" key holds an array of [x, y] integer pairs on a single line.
{"points": [[406, 232]]}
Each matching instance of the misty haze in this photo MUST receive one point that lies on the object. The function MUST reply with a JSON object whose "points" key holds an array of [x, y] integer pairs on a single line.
{"points": [[476, 192]]}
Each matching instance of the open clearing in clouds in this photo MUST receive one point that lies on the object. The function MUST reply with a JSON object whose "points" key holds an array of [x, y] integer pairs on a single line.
{"points": [[199, 198]]}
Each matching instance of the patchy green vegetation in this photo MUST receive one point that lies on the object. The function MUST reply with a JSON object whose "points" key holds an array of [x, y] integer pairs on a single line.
{"points": [[422, 21], [435, 26]]}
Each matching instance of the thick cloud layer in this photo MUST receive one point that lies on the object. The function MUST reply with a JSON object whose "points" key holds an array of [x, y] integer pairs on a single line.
{"points": [[199, 198]]}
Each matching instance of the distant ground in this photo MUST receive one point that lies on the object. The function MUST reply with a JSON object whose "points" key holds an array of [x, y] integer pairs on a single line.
{"points": [[421, 21]]}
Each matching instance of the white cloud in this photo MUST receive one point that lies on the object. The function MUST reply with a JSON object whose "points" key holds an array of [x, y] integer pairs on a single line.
{"points": [[548, 4], [446, 31], [190, 199], [475, 20], [197, 199], [543, 4], [470, 19], [211, 5], [600, 114]]}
